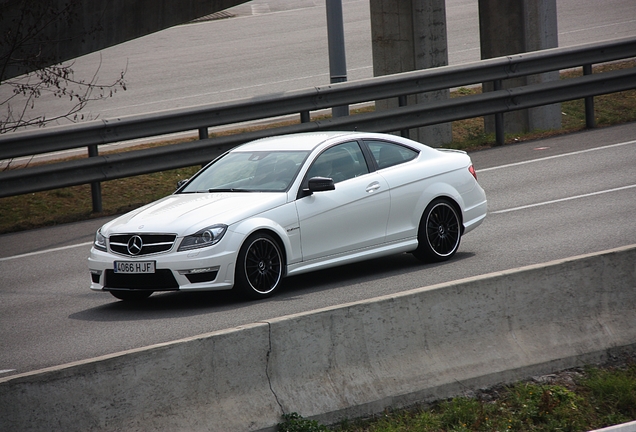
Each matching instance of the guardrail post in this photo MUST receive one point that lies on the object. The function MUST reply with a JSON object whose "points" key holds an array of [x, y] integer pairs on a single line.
{"points": [[590, 122], [500, 136], [96, 187], [403, 101], [203, 133], [304, 117]]}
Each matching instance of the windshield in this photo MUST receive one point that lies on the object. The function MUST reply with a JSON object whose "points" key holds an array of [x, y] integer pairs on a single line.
{"points": [[263, 171]]}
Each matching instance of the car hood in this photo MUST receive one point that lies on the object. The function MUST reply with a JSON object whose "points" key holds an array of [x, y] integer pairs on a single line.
{"points": [[185, 214]]}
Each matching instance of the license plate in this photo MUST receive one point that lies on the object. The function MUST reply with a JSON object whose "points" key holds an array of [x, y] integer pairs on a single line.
{"points": [[136, 267]]}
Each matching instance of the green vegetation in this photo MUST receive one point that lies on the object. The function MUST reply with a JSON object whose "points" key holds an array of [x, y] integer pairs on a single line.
{"points": [[294, 422], [74, 203], [571, 401]]}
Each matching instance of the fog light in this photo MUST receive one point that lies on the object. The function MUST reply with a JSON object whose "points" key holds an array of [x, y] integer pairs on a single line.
{"points": [[200, 270], [207, 274], [95, 275]]}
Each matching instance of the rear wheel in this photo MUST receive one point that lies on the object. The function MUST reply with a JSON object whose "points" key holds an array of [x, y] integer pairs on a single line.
{"points": [[439, 232], [131, 295], [259, 268]]}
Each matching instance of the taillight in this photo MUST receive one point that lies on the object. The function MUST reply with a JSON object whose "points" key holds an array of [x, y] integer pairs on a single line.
{"points": [[471, 169]]}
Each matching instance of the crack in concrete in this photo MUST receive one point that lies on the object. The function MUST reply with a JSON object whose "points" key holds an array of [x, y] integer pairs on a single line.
{"points": [[269, 379]]}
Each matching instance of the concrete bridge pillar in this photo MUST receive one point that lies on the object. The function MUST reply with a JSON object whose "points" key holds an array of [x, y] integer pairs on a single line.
{"points": [[511, 27], [409, 35]]}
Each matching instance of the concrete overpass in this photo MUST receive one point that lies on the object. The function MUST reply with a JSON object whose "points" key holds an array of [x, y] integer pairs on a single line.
{"points": [[54, 31]]}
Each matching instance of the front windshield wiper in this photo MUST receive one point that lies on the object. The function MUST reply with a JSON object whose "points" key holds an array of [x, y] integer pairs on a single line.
{"points": [[230, 190]]}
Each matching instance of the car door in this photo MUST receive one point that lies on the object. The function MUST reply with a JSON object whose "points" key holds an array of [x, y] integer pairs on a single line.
{"points": [[349, 218]]}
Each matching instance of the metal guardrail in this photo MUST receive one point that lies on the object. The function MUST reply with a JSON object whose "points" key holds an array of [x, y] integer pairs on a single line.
{"points": [[136, 162]]}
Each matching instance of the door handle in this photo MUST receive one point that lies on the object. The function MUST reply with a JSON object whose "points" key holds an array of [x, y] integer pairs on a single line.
{"points": [[373, 187]]}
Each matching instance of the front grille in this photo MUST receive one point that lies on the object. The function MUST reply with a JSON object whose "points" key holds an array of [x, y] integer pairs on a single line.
{"points": [[150, 244], [161, 280]]}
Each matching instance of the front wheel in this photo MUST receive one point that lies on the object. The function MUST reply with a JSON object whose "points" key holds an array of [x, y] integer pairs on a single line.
{"points": [[439, 232], [259, 267]]}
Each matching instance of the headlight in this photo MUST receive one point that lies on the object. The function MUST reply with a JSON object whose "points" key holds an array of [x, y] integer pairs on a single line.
{"points": [[100, 241], [206, 237]]}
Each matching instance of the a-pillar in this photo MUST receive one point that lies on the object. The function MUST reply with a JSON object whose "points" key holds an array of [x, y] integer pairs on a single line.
{"points": [[512, 27], [410, 35]]}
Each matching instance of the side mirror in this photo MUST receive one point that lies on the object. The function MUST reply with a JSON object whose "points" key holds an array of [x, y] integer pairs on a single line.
{"points": [[318, 184]]}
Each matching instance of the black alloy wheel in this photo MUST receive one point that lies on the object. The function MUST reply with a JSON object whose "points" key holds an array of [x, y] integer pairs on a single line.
{"points": [[260, 266], [439, 233]]}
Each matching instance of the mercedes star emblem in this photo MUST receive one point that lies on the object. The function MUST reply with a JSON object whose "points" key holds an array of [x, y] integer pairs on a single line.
{"points": [[134, 245]]}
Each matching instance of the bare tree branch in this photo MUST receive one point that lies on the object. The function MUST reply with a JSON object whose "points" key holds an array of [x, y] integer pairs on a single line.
{"points": [[30, 19]]}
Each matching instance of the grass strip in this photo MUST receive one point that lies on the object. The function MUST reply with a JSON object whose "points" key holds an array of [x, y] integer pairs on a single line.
{"points": [[575, 400]]}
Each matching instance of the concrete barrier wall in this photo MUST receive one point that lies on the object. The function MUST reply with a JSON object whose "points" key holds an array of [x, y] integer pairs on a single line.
{"points": [[350, 360]]}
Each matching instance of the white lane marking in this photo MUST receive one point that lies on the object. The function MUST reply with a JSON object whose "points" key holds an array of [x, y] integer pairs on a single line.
{"points": [[596, 27], [216, 92], [46, 251], [235, 89], [562, 199], [556, 156], [3, 371]]}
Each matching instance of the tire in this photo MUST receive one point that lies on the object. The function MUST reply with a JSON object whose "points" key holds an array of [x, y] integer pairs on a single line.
{"points": [[439, 233], [259, 267], [131, 296]]}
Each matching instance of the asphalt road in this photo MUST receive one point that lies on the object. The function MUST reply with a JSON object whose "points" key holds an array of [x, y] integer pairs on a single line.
{"points": [[548, 200], [548, 208], [273, 46]]}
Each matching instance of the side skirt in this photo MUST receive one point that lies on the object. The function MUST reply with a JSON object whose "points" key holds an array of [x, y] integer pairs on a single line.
{"points": [[351, 257]]}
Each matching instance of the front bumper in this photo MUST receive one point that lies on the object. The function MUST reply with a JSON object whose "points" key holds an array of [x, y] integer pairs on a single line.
{"points": [[198, 270]]}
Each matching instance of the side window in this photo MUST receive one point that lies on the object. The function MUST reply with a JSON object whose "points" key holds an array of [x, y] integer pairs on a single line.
{"points": [[387, 154], [340, 162]]}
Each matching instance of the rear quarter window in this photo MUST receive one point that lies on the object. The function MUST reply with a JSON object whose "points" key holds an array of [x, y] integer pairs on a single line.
{"points": [[388, 154]]}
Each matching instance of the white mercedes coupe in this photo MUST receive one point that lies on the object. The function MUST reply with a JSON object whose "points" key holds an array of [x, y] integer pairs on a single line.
{"points": [[291, 204]]}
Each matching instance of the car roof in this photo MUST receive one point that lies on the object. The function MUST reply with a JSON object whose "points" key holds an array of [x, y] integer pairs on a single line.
{"points": [[308, 141], [300, 141]]}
